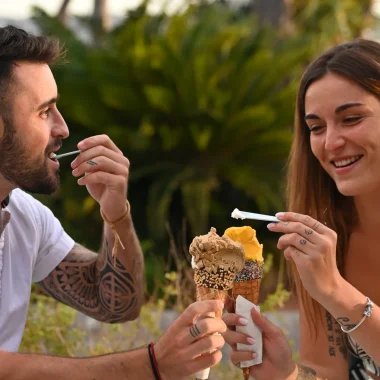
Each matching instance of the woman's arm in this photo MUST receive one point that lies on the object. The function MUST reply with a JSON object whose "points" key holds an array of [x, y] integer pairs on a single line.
{"points": [[323, 349], [347, 305]]}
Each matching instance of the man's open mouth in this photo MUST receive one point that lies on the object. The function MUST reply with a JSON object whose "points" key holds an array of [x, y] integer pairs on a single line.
{"points": [[52, 156]]}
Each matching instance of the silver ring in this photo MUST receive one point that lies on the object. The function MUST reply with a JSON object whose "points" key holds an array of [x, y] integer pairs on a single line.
{"points": [[194, 331]]}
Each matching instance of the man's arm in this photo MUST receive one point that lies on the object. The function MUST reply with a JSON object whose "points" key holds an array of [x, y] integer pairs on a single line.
{"points": [[90, 282], [123, 366]]}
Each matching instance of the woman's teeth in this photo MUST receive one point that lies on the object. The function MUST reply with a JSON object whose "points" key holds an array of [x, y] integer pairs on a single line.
{"points": [[346, 162]]}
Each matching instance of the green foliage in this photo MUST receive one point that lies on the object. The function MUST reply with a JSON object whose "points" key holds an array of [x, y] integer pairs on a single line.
{"points": [[49, 328], [326, 22], [200, 102]]}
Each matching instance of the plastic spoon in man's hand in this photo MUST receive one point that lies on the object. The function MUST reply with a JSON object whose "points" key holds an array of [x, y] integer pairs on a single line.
{"points": [[57, 157], [237, 214]]}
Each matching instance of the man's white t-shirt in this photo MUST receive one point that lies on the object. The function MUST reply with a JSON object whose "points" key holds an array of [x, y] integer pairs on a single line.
{"points": [[32, 244]]}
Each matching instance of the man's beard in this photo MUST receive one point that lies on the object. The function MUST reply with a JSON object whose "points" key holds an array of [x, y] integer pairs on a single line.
{"points": [[17, 167]]}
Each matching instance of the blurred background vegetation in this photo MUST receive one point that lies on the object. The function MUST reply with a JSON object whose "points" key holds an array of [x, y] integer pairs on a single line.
{"points": [[202, 103]]}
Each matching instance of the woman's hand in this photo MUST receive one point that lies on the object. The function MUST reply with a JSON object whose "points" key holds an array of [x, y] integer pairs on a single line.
{"points": [[312, 247], [191, 345], [277, 356]]}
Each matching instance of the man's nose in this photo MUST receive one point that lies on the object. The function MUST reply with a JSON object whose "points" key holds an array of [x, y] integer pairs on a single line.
{"points": [[60, 128]]}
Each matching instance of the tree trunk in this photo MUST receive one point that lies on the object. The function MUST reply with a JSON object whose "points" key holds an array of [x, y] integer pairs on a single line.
{"points": [[62, 14], [272, 12], [101, 17]]}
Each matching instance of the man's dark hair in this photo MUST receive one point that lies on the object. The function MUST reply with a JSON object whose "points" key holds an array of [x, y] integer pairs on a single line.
{"points": [[16, 45]]}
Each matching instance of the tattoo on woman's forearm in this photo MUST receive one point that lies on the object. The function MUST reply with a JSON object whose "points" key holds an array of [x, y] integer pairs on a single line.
{"points": [[335, 337]]}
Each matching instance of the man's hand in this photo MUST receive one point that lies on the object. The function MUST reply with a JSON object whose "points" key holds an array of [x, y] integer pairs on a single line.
{"points": [[105, 173], [190, 345]]}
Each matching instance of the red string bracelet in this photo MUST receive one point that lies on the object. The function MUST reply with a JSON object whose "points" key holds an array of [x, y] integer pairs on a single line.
{"points": [[153, 361]]}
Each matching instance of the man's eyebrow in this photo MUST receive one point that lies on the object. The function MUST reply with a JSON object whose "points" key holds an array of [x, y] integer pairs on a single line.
{"points": [[47, 103], [347, 105]]}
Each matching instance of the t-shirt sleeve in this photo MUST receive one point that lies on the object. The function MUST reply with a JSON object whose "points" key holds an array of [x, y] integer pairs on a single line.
{"points": [[54, 244]]}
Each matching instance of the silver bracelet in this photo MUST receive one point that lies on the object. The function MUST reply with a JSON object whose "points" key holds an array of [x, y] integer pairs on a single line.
{"points": [[367, 313]]}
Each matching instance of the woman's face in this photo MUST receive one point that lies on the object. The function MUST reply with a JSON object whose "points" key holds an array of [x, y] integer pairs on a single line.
{"points": [[344, 123]]}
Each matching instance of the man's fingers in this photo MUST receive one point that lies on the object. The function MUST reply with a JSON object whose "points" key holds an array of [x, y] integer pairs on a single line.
{"points": [[205, 361], [205, 345], [202, 327], [92, 141], [197, 308]]}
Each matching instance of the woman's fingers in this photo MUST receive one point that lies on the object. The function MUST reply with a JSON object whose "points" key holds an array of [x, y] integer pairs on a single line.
{"points": [[298, 228], [232, 319], [234, 337], [268, 328], [241, 356]]}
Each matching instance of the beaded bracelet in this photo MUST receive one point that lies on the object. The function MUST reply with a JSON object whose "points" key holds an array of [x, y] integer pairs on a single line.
{"points": [[153, 361], [367, 313]]}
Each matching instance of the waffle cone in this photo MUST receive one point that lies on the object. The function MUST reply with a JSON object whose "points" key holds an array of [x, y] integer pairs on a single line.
{"points": [[204, 293], [250, 290]]}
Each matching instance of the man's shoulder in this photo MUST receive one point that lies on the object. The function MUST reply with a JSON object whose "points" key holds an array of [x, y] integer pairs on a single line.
{"points": [[19, 198], [24, 206]]}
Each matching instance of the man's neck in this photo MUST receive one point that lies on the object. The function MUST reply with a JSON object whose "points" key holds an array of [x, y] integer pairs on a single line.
{"points": [[5, 189]]}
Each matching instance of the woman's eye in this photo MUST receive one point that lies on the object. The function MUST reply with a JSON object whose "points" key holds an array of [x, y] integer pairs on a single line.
{"points": [[352, 119], [315, 128]]}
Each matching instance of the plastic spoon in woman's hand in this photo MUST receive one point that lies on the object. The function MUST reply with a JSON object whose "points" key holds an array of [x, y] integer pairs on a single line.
{"points": [[237, 214]]}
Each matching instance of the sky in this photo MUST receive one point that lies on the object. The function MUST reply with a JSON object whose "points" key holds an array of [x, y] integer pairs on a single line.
{"points": [[19, 9]]}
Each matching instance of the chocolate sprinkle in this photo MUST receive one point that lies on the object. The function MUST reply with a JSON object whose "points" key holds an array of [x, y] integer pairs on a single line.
{"points": [[253, 270]]}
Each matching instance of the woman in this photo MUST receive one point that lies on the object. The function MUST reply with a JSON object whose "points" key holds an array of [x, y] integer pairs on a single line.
{"points": [[331, 239]]}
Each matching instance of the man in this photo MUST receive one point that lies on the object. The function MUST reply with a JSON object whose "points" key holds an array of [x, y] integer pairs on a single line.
{"points": [[34, 247]]}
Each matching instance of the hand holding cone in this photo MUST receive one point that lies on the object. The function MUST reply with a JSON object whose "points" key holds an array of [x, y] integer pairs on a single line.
{"points": [[215, 261]]}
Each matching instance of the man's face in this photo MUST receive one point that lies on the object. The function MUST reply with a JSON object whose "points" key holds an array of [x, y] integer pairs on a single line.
{"points": [[32, 129]]}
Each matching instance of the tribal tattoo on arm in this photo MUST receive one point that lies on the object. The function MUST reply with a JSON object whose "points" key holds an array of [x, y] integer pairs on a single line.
{"points": [[90, 283]]}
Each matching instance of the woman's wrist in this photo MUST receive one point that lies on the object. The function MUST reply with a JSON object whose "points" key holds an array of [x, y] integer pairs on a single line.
{"points": [[294, 374], [329, 295]]}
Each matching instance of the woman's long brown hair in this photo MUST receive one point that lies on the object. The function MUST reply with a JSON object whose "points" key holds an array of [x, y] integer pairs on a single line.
{"points": [[310, 190]]}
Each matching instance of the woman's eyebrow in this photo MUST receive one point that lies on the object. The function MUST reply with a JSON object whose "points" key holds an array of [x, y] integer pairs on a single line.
{"points": [[343, 107]]}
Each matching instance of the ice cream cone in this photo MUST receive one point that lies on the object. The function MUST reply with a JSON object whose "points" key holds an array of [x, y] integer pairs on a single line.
{"points": [[204, 293], [216, 260], [247, 282], [250, 290]]}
